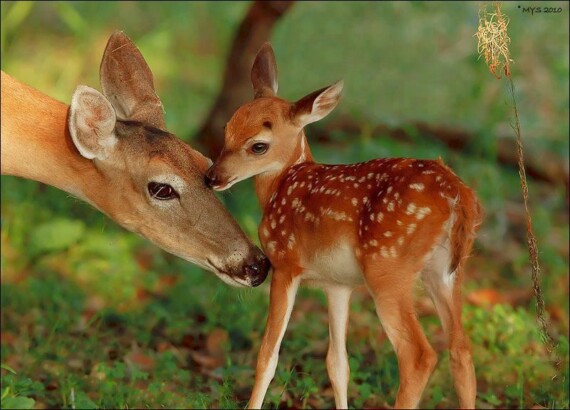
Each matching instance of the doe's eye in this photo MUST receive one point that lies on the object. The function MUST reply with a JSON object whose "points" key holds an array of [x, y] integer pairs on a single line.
{"points": [[259, 148], [162, 191]]}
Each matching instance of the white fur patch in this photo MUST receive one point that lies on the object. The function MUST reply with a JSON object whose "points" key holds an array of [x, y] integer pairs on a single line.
{"points": [[337, 264]]}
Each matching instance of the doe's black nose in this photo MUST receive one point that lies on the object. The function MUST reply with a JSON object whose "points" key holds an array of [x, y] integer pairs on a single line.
{"points": [[257, 270]]}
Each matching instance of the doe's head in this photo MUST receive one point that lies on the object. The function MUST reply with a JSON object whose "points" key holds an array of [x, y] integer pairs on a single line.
{"points": [[263, 134], [155, 181]]}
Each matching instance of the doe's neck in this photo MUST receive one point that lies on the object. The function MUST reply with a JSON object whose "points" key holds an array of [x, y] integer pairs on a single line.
{"points": [[268, 182], [36, 143]]}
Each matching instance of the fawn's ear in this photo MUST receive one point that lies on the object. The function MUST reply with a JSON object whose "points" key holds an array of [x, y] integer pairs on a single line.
{"points": [[316, 105], [91, 123], [127, 82], [264, 73]]}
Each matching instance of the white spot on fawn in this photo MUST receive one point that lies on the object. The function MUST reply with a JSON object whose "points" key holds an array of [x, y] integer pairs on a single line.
{"points": [[354, 201], [337, 216], [410, 229], [422, 212], [271, 246], [391, 206], [384, 252], [387, 234], [417, 186], [291, 241], [411, 208], [401, 240]]}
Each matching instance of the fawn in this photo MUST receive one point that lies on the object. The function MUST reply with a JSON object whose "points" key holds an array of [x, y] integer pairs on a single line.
{"points": [[379, 223]]}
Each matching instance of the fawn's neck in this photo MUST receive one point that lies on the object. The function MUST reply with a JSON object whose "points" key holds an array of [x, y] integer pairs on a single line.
{"points": [[268, 182]]}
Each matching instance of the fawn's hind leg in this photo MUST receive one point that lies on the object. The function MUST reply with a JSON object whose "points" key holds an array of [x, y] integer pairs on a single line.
{"points": [[392, 293], [444, 287]]}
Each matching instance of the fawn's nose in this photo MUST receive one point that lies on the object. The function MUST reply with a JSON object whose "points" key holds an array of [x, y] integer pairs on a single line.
{"points": [[210, 179]]}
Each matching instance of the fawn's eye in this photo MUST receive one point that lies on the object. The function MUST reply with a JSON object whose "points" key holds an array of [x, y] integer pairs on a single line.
{"points": [[259, 148], [161, 191]]}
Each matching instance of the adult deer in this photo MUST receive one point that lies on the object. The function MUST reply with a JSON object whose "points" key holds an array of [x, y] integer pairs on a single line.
{"points": [[379, 223], [113, 151]]}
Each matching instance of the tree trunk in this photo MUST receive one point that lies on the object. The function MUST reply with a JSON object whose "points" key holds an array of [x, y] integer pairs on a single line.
{"points": [[254, 30]]}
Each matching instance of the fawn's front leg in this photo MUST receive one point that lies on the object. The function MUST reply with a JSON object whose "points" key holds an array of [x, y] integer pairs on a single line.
{"points": [[282, 297], [337, 358]]}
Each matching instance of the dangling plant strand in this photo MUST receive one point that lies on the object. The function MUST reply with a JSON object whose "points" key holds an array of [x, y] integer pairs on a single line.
{"points": [[493, 44]]}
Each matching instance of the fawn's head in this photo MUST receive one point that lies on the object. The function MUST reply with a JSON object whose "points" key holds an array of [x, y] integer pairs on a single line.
{"points": [[265, 134], [156, 180]]}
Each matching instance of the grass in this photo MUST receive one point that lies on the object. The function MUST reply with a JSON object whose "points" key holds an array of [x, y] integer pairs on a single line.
{"points": [[98, 318], [125, 325]]}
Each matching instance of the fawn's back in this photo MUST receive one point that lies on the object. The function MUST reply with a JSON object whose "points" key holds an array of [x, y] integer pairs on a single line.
{"points": [[384, 210]]}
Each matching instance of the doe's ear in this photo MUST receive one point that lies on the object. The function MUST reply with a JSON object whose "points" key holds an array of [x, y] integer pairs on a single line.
{"points": [[264, 73], [316, 105], [91, 123], [126, 80]]}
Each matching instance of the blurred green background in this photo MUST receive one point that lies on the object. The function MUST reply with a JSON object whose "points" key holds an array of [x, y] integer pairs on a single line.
{"points": [[102, 318]]}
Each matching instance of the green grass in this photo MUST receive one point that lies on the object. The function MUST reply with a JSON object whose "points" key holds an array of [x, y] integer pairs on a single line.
{"points": [[97, 317], [79, 312]]}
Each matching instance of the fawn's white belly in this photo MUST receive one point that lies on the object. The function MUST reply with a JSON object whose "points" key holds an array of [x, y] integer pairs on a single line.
{"points": [[337, 264]]}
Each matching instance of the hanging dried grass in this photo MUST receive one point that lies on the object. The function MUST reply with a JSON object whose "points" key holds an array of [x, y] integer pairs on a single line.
{"points": [[493, 40], [493, 44]]}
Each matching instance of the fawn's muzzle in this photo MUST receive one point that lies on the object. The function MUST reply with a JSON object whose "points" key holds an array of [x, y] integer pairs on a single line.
{"points": [[210, 179]]}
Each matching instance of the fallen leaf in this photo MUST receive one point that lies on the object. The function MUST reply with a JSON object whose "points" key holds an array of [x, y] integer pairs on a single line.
{"points": [[138, 358], [216, 342], [7, 338], [482, 297], [207, 361], [144, 258]]}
